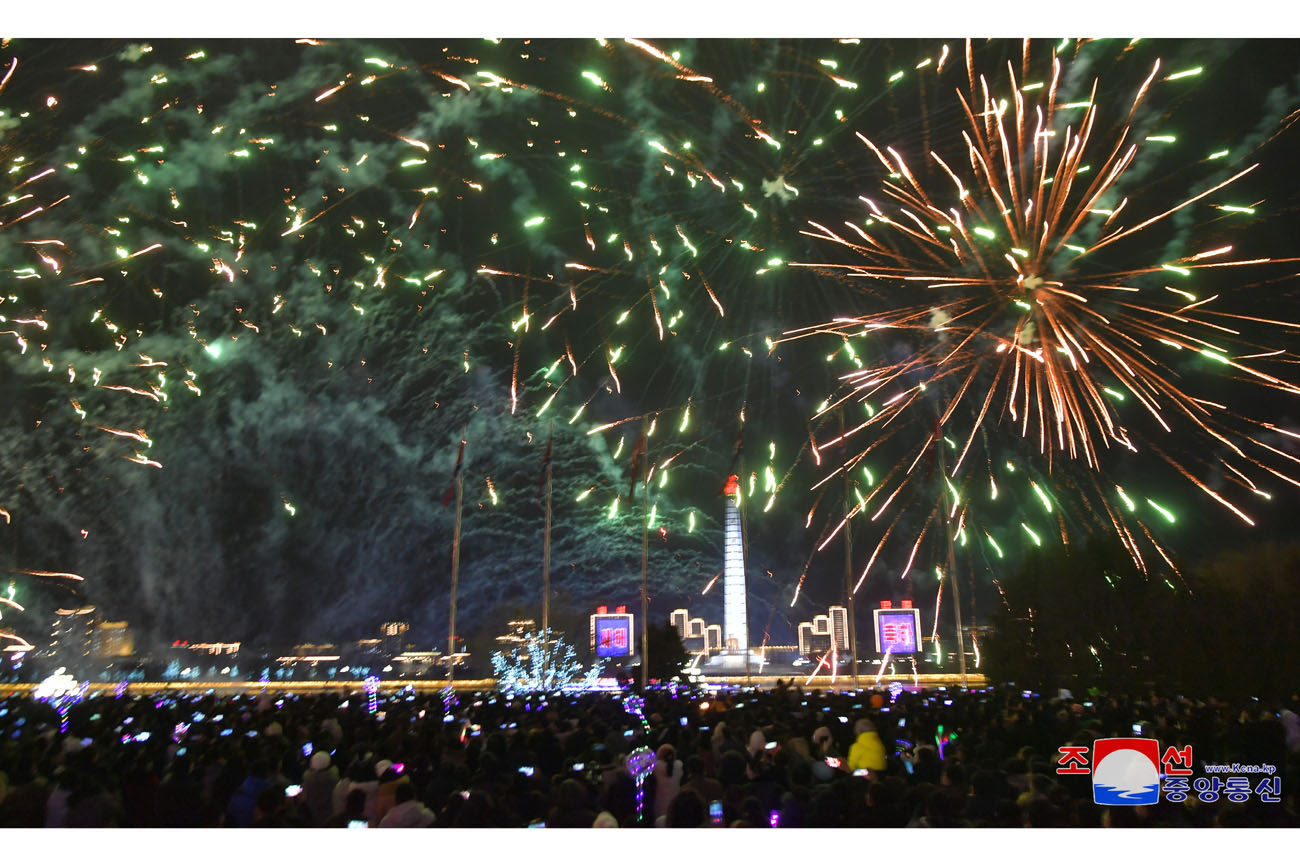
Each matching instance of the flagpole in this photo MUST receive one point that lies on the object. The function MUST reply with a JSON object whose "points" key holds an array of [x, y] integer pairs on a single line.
{"points": [[744, 570], [645, 585], [952, 577], [848, 573], [455, 566], [546, 551]]}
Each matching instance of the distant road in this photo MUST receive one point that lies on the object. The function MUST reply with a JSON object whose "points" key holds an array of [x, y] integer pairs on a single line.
{"points": [[841, 683]]}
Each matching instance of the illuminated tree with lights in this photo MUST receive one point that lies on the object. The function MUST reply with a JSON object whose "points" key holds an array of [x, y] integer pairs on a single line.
{"points": [[542, 662]]}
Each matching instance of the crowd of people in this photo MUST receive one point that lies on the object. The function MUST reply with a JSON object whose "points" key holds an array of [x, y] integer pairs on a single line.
{"points": [[783, 757]]}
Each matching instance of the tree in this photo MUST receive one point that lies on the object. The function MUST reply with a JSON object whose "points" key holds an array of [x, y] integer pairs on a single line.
{"points": [[1083, 617], [540, 665], [667, 654], [1248, 605], [1089, 617]]}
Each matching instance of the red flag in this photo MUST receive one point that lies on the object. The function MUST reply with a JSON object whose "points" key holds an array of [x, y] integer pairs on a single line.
{"points": [[637, 453], [546, 468], [740, 449], [732, 487], [460, 464]]}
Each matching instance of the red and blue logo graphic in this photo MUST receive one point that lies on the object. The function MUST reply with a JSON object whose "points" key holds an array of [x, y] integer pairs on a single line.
{"points": [[1126, 772]]}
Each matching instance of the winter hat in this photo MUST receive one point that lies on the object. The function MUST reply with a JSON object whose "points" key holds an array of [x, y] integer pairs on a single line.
{"points": [[381, 767], [605, 820], [320, 761]]}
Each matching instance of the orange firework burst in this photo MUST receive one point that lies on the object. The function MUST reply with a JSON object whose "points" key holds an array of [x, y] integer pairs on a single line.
{"points": [[989, 270]]}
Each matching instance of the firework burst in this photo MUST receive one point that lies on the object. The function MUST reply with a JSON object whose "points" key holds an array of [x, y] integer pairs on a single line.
{"points": [[993, 268]]}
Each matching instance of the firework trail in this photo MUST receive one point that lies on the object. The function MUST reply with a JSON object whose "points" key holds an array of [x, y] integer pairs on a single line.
{"points": [[80, 388]]}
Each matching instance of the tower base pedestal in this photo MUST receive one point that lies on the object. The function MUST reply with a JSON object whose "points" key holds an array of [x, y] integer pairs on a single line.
{"points": [[733, 661]]}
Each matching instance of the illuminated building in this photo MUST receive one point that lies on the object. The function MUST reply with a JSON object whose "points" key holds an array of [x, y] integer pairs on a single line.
{"points": [[517, 632], [371, 647], [517, 636], [306, 659], [112, 640], [696, 635], [215, 649], [72, 634], [826, 630], [393, 636], [417, 660], [316, 649]]}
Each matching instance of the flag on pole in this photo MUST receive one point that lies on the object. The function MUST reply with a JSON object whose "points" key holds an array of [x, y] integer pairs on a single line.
{"points": [[546, 468], [460, 465], [740, 449], [637, 453]]}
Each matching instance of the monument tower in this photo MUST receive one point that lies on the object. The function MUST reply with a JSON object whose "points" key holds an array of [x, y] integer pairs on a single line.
{"points": [[735, 619]]}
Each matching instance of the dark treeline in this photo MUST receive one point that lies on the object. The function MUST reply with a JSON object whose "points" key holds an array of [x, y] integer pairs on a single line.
{"points": [[1089, 618]]}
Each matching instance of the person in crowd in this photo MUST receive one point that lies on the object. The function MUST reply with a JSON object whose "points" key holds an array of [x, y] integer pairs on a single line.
{"points": [[270, 810], [318, 783], [239, 812], [339, 796], [668, 778], [366, 779], [180, 796], [353, 813], [868, 751], [386, 792], [407, 811], [685, 810]]}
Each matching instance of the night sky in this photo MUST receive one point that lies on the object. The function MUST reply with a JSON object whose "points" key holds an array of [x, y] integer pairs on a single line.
{"points": [[267, 283]]}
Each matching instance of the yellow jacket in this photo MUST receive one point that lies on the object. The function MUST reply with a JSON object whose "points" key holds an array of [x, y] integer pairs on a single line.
{"points": [[868, 752]]}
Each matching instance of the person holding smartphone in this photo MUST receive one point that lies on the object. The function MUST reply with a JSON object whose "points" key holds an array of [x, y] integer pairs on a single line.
{"points": [[827, 759]]}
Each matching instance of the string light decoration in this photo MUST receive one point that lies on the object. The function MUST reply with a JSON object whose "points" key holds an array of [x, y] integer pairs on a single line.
{"points": [[640, 764], [542, 662], [635, 705], [62, 690]]}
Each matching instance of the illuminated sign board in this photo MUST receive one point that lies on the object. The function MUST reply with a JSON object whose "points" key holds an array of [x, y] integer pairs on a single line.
{"points": [[611, 634], [898, 631]]}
